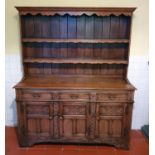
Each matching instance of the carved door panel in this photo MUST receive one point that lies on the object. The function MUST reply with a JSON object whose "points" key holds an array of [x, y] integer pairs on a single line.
{"points": [[73, 120], [92, 120], [39, 119], [110, 120]]}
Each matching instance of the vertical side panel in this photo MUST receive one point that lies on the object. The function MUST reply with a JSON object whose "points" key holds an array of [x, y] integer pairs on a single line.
{"points": [[92, 119], [98, 27], [116, 128], [114, 27], [55, 68], [55, 26], [89, 34], [45, 126], [46, 27], [21, 123], [97, 53], [81, 27], [103, 128], [63, 50], [55, 49], [56, 109], [67, 127], [80, 50], [106, 27], [28, 50], [72, 50], [46, 48], [124, 27], [72, 27], [37, 50], [81, 127], [105, 51], [31, 123], [28, 26], [79, 69], [63, 26], [47, 69], [37, 26], [22, 26]]}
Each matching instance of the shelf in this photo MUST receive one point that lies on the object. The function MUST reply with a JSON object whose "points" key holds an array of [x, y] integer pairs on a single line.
{"points": [[74, 82], [93, 41], [73, 61]]}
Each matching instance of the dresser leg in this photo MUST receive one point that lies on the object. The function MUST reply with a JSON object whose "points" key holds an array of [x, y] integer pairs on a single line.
{"points": [[124, 146]]}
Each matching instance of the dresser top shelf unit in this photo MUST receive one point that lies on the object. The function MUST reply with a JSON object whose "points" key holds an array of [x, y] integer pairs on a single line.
{"points": [[75, 41]]}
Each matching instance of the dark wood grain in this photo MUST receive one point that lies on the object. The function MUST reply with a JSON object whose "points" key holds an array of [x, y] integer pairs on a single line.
{"points": [[75, 87], [75, 82], [63, 27], [55, 26]]}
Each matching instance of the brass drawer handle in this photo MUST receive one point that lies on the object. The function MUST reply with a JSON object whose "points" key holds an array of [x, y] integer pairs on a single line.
{"points": [[61, 117], [98, 118], [50, 117], [36, 95], [111, 97], [74, 96]]}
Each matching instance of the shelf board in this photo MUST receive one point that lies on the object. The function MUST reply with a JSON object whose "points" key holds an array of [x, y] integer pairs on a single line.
{"points": [[75, 82], [74, 61], [48, 40]]}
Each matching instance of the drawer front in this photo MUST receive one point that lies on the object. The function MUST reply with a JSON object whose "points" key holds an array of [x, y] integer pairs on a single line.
{"points": [[28, 95], [112, 97], [49, 96], [74, 96], [33, 96]]}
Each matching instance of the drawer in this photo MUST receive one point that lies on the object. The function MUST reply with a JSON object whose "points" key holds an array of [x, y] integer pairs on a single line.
{"points": [[112, 97], [33, 96], [74, 96], [49, 96]]}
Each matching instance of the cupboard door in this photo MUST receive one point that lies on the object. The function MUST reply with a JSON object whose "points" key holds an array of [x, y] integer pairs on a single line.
{"points": [[39, 119], [110, 119], [73, 120]]}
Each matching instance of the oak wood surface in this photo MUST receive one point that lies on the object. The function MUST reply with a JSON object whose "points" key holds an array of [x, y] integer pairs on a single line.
{"points": [[72, 82], [75, 82], [75, 87]]}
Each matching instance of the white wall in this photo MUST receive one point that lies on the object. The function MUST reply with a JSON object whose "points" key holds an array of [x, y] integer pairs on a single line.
{"points": [[138, 75]]}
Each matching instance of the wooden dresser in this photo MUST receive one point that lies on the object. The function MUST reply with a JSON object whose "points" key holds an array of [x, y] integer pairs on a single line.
{"points": [[75, 87]]}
